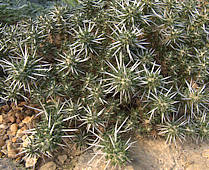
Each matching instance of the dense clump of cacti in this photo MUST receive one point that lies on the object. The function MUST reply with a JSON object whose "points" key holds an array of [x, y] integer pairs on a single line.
{"points": [[103, 68]]}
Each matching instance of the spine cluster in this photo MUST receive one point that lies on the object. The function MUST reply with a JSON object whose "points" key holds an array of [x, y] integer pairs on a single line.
{"points": [[103, 68]]}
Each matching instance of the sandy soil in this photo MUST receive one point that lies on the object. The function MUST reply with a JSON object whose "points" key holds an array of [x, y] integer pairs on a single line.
{"points": [[149, 154], [156, 155]]}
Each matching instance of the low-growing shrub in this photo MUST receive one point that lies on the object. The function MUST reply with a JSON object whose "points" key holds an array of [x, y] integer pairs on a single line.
{"points": [[143, 65]]}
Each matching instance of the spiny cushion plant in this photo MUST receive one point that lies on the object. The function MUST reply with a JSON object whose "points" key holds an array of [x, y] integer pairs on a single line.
{"points": [[14, 10], [140, 64]]}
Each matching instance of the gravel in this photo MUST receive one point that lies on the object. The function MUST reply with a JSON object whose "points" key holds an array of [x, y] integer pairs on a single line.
{"points": [[7, 164]]}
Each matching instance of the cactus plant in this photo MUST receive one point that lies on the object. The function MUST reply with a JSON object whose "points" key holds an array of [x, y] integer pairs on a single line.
{"points": [[142, 64]]}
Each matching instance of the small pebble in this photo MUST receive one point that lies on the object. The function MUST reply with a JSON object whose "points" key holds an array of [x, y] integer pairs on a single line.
{"points": [[2, 142], [62, 158], [1, 118], [14, 128], [50, 165]]}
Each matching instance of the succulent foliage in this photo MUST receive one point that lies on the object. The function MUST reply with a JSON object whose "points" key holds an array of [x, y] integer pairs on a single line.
{"points": [[98, 68]]}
